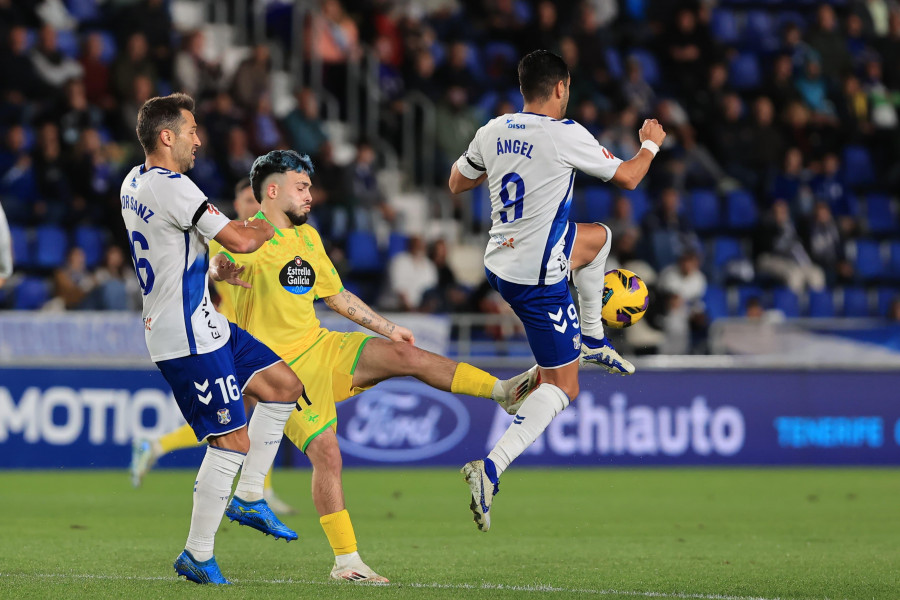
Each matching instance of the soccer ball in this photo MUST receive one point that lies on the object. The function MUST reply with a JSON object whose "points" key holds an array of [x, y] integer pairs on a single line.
{"points": [[625, 299]]}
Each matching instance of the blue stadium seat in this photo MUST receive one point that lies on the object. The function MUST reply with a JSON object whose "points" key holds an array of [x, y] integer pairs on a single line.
{"points": [[397, 243], [744, 72], [704, 210], [109, 47], [893, 266], [90, 240], [488, 102], [663, 245], [362, 252], [821, 304], [501, 51], [856, 302], [724, 26], [761, 31], [614, 63], [786, 301], [83, 10], [880, 214], [725, 249], [716, 301], [31, 294], [639, 203], [67, 42], [481, 206], [858, 169], [22, 257], [886, 297], [597, 203], [745, 293], [51, 245], [649, 66], [868, 264], [741, 211]]}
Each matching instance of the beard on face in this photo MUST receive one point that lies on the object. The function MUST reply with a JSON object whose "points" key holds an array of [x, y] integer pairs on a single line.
{"points": [[297, 218]]}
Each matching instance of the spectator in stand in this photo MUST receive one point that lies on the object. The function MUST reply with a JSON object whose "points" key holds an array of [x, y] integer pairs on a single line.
{"points": [[305, 132], [19, 80], [829, 42], [252, 78], [621, 219], [813, 90], [853, 111], [194, 75], [766, 148], [828, 186], [636, 90], [544, 31], [422, 76], [93, 177], [222, 117], [410, 274], [683, 285], [857, 40], [131, 64], [332, 201], [667, 219], [780, 87], [96, 73], [264, 131], [116, 288], [793, 45], [369, 204], [781, 255], [704, 103], [889, 46], [17, 179], [334, 37], [733, 137], [455, 72], [689, 49], [153, 19], [75, 114], [826, 245], [239, 158], [74, 285], [54, 190], [142, 89], [448, 296], [52, 66], [458, 123], [792, 184]]}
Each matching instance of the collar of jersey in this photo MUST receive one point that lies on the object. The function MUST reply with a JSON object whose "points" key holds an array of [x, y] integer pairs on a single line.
{"points": [[144, 168], [260, 215]]}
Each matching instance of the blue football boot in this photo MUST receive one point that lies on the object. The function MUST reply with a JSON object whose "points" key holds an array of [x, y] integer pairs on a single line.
{"points": [[199, 572], [259, 516], [601, 352]]}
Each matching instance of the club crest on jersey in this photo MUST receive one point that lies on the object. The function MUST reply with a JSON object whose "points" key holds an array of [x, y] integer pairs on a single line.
{"points": [[297, 276], [224, 416]]}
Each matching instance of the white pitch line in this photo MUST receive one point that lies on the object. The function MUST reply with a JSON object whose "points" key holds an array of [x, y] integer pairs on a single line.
{"points": [[436, 586]]}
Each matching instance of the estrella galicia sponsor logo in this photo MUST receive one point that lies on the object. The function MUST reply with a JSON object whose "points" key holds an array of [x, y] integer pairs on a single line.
{"points": [[402, 421], [297, 276]]}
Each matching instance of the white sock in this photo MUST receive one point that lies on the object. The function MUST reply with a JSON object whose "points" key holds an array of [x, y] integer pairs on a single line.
{"points": [[265, 432], [342, 560], [211, 492], [589, 283], [536, 412]]}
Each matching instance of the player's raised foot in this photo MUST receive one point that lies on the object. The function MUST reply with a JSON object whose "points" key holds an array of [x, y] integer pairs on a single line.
{"points": [[483, 487], [199, 572], [601, 352], [513, 391], [351, 568], [143, 457], [278, 505], [259, 516]]}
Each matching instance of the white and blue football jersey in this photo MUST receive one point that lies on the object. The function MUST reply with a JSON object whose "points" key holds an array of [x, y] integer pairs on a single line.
{"points": [[169, 222], [531, 161]]}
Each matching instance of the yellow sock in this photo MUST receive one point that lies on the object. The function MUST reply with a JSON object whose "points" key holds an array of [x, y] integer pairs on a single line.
{"points": [[267, 482], [472, 381], [339, 531], [183, 437]]}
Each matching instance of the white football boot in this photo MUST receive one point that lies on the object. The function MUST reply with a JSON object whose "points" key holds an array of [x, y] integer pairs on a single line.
{"points": [[515, 389], [144, 454], [601, 352], [353, 569], [482, 490]]}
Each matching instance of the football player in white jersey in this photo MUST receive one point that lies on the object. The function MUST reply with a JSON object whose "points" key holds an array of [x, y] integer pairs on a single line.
{"points": [[209, 363], [529, 160]]}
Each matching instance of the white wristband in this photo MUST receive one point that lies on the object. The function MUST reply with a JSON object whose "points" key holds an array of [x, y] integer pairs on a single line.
{"points": [[651, 146]]}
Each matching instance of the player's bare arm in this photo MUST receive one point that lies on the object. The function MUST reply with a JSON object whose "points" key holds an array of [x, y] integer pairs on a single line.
{"points": [[244, 237], [222, 269], [349, 305], [631, 172], [460, 183]]}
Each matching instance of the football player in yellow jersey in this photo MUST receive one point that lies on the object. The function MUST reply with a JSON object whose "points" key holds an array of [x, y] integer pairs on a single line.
{"points": [[272, 295], [146, 452]]}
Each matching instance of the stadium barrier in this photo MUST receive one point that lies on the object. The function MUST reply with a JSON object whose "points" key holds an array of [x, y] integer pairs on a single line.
{"points": [[87, 418]]}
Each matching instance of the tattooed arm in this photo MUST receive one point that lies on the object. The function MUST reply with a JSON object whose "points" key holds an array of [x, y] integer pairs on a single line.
{"points": [[349, 305]]}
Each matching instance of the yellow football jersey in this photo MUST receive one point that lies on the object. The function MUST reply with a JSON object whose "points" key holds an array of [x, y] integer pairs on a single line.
{"points": [[286, 275]]}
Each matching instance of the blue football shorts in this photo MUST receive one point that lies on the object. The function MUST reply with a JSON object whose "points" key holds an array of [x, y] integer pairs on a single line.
{"points": [[209, 387], [548, 314]]}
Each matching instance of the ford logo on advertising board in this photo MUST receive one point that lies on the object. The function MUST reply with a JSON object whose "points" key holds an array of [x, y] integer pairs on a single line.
{"points": [[402, 421]]}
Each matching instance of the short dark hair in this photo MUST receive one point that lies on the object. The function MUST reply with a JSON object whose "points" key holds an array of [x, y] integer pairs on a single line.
{"points": [[241, 185], [161, 113], [277, 161], [539, 72]]}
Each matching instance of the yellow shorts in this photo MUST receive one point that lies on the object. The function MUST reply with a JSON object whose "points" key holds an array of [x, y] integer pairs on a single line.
{"points": [[326, 370]]}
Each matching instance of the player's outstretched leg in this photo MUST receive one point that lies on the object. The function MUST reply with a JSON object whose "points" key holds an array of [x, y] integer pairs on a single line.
{"points": [[592, 244], [145, 453], [514, 390], [199, 572]]}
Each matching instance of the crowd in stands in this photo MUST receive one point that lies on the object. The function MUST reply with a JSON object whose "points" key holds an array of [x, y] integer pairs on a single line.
{"points": [[775, 186]]}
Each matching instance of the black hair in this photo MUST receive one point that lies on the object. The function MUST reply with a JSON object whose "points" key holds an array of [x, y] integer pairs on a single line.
{"points": [[277, 161], [161, 113], [539, 72]]}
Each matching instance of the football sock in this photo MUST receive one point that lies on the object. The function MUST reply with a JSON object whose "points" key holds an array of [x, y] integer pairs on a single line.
{"points": [[339, 531], [589, 283], [211, 492], [472, 381], [536, 412], [267, 482], [183, 437], [265, 432]]}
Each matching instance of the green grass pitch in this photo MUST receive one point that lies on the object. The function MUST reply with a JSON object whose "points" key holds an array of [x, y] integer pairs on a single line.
{"points": [[563, 533]]}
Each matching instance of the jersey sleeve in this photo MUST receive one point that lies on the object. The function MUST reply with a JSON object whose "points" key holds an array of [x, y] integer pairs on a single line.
{"points": [[580, 150], [188, 207], [471, 163], [328, 282]]}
